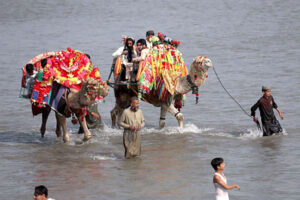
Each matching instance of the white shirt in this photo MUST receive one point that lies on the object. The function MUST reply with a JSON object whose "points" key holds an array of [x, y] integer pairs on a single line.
{"points": [[221, 192], [144, 54], [118, 52], [131, 118], [30, 80], [149, 44], [124, 57]]}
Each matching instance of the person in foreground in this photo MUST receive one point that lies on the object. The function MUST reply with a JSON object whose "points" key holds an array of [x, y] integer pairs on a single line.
{"points": [[41, 193], [132, 120], [266, 104], [220, 180]]}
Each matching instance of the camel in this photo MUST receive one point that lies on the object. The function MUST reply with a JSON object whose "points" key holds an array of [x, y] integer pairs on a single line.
{"points": [[70, 72], [185, 84], [75, 101]]}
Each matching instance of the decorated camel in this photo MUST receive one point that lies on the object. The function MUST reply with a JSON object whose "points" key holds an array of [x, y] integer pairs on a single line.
{"points": [[65, 81], [76, 102], [161, 78]]}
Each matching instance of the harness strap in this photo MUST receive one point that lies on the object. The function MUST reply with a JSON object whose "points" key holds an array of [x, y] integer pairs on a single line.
{"points": [[190, 82], [66, 99], [193, 87], [137, 94]]}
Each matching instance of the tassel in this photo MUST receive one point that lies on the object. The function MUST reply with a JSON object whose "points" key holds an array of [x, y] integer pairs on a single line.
{"points": [[178, 105], [195, 91], [74, 120]]}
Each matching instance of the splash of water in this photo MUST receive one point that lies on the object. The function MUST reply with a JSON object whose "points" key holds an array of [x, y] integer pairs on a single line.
{"points": [[103, 157]]}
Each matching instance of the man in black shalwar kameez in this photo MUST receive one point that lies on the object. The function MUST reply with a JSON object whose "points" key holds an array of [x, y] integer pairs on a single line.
{"points": [[266, 104]]}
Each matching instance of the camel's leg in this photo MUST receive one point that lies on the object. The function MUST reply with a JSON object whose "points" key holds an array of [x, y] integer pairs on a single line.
{"points": [[163, 113], [87, 133], [119, 113], [177, 114], [116, 115], [45, 114], [58, 125], [63, 123], [113, 115]]}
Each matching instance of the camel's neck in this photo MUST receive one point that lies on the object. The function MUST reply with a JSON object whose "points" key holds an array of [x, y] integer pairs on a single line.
{"points": [[78, 99], [73, 99], [186, 83], [183, 86], [85, 99]]}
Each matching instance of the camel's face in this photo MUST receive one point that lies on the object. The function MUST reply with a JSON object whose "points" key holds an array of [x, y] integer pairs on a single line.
{"points": [[95, 89], [202, 63], [207, 62]]}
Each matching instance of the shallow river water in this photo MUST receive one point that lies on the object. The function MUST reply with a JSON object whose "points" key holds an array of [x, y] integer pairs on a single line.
{"points": [[251, 43]]}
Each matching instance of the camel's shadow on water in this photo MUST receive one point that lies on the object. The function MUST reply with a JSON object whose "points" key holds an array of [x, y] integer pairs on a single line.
{"points": [[33, 137]]}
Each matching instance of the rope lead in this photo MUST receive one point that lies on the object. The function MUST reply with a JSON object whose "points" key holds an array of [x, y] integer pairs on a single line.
{"points": [[230, 94], [257, 122]]}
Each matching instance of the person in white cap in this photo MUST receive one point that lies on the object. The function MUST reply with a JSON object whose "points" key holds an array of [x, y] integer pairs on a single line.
{"points": [[266, 104]]}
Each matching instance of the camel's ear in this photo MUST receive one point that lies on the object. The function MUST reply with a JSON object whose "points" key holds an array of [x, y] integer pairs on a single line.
{"points": [[197, 59]]}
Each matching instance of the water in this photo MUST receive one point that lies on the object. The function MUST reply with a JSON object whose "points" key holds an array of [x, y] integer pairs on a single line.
{"points": [[251, 44]]}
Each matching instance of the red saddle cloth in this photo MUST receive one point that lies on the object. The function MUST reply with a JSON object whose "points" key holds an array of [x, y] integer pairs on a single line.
{"points": [[68, 68]]}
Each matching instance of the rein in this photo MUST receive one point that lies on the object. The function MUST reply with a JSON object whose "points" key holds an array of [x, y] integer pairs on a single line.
{"points": [[66, 99], [257, 123], [194, 88], [74, 121]]}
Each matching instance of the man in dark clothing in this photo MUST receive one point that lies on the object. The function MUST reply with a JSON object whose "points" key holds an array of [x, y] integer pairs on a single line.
{"points": [[266, 104]]}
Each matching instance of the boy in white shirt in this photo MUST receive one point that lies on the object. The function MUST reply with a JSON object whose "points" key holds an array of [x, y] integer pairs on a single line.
{"points": [[41, 193], [220, 180]]}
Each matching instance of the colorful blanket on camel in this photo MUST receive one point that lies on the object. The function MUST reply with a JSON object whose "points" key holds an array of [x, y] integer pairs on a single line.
{"points": [[68, 68], [160, 71]]}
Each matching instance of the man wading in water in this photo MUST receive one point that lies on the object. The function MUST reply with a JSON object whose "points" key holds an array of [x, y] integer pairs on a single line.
{"points": [[132, 120], [266, 104]]}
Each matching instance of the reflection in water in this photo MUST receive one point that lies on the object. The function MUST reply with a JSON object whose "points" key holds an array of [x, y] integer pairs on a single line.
{"points": [[272, 142]]}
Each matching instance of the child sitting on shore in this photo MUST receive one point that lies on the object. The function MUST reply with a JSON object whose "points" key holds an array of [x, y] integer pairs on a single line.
{"points": [[220, 180]]}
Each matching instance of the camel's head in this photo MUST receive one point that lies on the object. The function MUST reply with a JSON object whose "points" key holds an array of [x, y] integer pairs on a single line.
{"points": [[198, 70], [93, 90], [202, 63]]}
